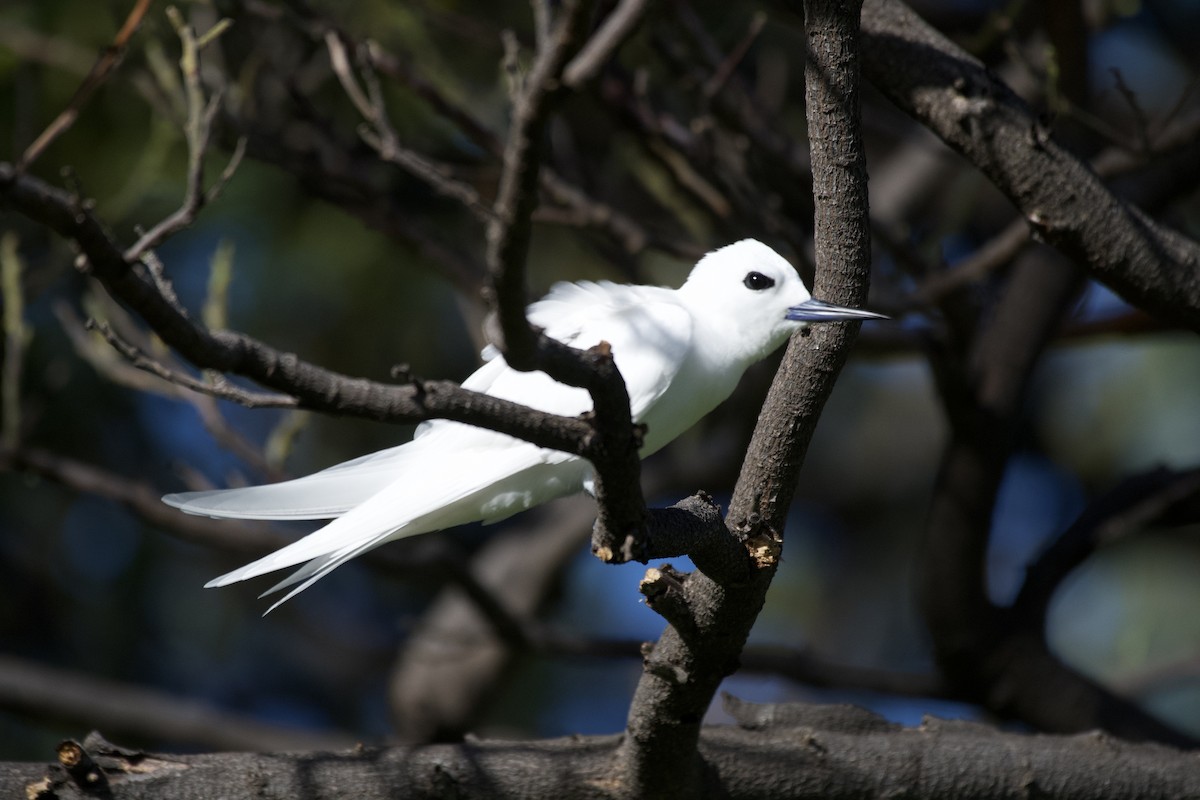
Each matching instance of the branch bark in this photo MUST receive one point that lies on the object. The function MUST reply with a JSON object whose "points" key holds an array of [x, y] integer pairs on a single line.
{"points": [[955, 96], [658, 757], [777, 751], [613, 449], [313, 387]]}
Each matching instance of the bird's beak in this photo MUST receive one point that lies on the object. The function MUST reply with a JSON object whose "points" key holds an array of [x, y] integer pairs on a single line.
{"points": [[813, 310]]}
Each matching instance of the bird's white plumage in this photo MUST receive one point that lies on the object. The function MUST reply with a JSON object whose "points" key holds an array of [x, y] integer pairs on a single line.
{"points": [[680, 352]]}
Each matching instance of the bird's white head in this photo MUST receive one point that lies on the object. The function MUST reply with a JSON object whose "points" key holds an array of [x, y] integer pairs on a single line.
{"points": [[751, 295]]}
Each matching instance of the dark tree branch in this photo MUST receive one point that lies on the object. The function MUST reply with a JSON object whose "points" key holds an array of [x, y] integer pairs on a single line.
{"points": [[312, 387], [144, 500], [613, 449], [984, 651], [1138, 502], [777, 751], [612, 33], [658, 756], [509, 232], [957, 98], [104, 66], [449, 669]]}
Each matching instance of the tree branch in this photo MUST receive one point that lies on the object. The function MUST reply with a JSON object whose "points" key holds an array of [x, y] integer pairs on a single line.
{"points": [[957, 98], [800, 752], [983, 650], [613, 449], [104, 66], [312, 387], [658, 756]]}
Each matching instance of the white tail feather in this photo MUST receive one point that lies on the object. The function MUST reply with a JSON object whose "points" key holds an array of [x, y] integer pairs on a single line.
{"points": [[414, 504], [323, 495]]}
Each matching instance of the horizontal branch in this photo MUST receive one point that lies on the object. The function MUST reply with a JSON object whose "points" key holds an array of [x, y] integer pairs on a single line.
{"points": [[312, 386], [828, 752]]}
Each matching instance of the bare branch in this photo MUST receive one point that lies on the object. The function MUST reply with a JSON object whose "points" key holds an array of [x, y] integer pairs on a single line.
{"points": [[109, 60], [953, 94], [618, 26], [201, 114], [313, 387], [145, 501], [381, 136], [613, 451], [658, 755], [725, 69], [827, 749], [1141, 125], [218, 388], [1137, 502], [449, 669], [997, 252]]}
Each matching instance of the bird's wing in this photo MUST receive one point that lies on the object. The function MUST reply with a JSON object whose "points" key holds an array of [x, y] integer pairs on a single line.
{"points": [[649, 334], [649, 331]]}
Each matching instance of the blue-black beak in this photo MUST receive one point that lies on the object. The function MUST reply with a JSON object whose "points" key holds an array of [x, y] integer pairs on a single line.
{"points": [[813, 310]]}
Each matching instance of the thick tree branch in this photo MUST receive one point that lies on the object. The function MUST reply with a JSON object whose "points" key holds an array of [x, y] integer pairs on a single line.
{"points": [[983, 650], [449, 669], [658, 755], [956, 97], [778, 751]]}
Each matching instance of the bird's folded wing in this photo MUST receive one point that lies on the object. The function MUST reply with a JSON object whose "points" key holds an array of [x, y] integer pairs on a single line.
{"points": [[649, 331]]}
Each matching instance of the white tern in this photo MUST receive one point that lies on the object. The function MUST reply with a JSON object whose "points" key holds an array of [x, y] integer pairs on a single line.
{"points": [[681, 352]]}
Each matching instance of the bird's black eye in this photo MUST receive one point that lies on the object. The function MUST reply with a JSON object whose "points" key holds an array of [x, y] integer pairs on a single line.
{"points": [[756, 281]]}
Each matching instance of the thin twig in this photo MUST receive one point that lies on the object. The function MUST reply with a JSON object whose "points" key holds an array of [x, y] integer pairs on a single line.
{"points": [[201, 115], [382, 137], [725, 69], [109, 363], [1141, 126], [581, 210], [1135, 503], [101, 70], [617, 27], [220, 388], [997, 252]]}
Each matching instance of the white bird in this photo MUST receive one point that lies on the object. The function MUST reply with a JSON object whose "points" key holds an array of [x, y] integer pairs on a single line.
{"points": [[681, 352]]}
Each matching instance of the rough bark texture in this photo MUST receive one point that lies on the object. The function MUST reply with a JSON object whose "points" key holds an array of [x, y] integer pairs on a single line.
{"points": [[957, 98], [658, 757], [777, 751]]}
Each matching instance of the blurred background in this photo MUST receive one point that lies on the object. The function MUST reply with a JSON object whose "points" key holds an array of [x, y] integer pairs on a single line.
{"points": [[692, 137]]}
